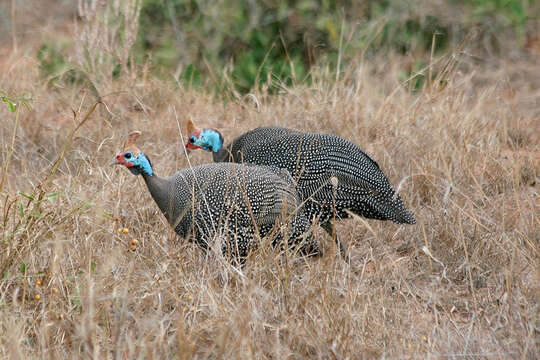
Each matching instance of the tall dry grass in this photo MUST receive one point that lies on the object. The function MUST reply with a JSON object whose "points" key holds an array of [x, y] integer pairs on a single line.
{"points": [[462, 283]]}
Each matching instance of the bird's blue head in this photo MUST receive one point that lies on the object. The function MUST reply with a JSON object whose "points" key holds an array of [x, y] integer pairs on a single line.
{"points": [[133, 158], [206, 139]]}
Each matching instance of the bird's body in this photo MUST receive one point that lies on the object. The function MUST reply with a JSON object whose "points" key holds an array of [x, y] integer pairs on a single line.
{"points": [[317, 163], [332, 175], [234, 202], [229, 200]]}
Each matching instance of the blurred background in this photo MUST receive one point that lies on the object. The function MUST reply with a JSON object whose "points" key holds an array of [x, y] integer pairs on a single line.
{"points": [[230, 45]]}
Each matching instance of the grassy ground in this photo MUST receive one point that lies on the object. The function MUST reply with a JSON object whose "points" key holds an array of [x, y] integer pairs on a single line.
{"points": [[462, 283]]}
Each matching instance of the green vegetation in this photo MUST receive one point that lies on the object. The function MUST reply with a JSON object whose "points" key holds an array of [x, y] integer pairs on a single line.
{"points": [[285, 39], [232, 45], [55, 67]]}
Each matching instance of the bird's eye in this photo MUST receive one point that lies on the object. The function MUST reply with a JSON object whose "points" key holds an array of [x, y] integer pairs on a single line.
{"points": [[192, 139], [127, 155]]}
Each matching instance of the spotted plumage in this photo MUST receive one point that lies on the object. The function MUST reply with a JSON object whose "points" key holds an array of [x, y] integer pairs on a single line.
{"points": [[235, 202], [332, 175]]}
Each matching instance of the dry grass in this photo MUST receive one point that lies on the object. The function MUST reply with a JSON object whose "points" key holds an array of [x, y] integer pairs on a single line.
{"points": [[462, 283]]}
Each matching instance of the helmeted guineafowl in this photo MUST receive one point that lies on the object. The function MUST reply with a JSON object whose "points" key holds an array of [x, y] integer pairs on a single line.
{"points": [[225, 201], [332, 174]]}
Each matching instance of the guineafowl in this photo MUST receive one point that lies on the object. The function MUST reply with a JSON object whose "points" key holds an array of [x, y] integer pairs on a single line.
{"points": [[227, 201], [332, 175]]}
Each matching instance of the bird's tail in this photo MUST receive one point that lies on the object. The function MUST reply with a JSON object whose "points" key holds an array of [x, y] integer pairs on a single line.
{"points": [[397, 211], [389, 206]]}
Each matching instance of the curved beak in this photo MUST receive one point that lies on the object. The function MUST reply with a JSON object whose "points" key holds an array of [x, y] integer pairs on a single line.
{"points": [[190, 146], [191, 139], [115, 160]]}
